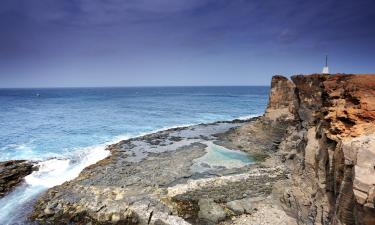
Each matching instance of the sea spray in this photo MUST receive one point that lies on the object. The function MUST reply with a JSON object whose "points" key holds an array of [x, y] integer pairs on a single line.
{"points": [[15, 206]]}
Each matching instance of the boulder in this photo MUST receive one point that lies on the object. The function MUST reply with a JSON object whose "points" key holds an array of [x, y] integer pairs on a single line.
{"points": [[241, 206], [236, 207], [210, 212]]}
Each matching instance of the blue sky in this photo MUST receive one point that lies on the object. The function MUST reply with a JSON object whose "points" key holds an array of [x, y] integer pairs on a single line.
{"points": [[64, 43]]}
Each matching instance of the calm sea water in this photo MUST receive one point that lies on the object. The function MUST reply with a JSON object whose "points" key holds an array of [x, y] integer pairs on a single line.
{"points": [[66, 129]]}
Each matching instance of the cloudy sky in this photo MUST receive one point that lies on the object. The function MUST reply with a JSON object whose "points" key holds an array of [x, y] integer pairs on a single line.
{"points": [[57, 43]]}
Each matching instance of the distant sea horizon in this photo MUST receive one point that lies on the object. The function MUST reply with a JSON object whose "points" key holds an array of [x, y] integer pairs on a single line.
{"points": [[135, 86]]}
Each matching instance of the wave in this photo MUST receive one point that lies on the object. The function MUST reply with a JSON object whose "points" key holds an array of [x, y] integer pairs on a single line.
{"points": [[15, 206], [247, 117], [54, 172], [57, 170]]}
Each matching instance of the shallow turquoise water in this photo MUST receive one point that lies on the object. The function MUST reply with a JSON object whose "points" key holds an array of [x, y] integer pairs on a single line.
{"points": [[219, 156], [226, 154]]}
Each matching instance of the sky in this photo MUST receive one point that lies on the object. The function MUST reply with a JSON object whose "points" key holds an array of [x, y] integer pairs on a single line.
{"points": [[79, 43]]}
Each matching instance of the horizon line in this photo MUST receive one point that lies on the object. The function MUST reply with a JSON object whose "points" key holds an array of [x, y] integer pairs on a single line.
{"points": [[135, 86]]}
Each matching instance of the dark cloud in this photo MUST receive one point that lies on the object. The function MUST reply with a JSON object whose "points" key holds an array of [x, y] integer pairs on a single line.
{"points": [[118, 34]]}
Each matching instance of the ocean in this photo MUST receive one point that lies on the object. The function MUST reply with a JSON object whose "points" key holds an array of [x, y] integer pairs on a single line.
{"points": [[66, 129]]}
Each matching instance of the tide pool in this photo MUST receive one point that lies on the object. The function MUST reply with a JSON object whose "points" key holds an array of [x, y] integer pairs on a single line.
{"points": [[218, 156]]}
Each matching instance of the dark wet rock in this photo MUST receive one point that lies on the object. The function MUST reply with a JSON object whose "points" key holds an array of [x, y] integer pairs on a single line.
{"points": [[174, 138], [12, 173]]}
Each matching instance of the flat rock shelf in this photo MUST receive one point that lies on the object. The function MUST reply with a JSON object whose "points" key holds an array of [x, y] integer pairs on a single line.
{"points": [[307, 160], [177, 176]]}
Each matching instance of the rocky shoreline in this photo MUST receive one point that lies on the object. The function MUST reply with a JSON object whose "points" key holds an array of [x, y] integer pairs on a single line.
{"points": [[158, 179], [12, 173], [308, 160]]}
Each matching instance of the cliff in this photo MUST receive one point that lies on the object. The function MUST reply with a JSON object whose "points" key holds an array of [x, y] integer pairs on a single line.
{"points": [[329, 146], [314, 163]]}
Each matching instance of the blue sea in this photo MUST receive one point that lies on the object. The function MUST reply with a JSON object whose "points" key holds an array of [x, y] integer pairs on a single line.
{"points": [[67, 129]]}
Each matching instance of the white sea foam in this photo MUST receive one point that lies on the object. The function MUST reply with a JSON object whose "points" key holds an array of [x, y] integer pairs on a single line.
{"points": [[55, 171], [247, 117], [51, 172], [23, 151]]}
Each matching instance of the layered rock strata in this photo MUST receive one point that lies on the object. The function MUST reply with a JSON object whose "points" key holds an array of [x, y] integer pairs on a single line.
{"points": [[329, 146], [314, 149], [321, 128]]}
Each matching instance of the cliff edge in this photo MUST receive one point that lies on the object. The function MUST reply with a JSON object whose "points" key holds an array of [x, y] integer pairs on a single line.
{"points": [[312, 162], [329, 146]]}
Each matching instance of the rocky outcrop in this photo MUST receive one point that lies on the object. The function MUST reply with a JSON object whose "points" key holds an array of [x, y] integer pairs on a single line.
{"points": [[12, 173], [330, 148], [262, 137], [315, 151], [156, 179], [282, 102]]}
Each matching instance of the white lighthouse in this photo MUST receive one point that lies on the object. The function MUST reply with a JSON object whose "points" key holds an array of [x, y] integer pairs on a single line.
{"points": [[325, 68]]}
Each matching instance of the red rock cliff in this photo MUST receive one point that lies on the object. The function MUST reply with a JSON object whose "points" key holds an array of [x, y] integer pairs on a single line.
{"points": [[330, 148]]}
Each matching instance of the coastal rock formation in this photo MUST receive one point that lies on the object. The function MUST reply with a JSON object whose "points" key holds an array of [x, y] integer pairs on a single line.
{"points": [[313, 156], [155, 179], [331, 150], [282, 102], [321, 128], [12, 173]]}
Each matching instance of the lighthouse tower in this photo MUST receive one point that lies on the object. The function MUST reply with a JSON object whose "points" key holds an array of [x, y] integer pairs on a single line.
{"points": [[325, 68]]}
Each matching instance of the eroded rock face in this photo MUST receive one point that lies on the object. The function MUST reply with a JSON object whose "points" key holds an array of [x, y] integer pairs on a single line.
{"points": [[12, 173], [318, 131], [351, 109], [330, 149], [282, 102]]}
